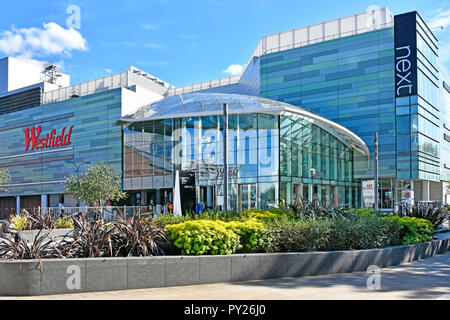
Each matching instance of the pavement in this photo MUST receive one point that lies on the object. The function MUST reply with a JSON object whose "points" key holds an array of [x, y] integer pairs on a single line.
{"points": [[423, 279]]}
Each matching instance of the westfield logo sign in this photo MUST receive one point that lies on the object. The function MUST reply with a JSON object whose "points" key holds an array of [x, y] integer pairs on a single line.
{"points": [[50, 140]]}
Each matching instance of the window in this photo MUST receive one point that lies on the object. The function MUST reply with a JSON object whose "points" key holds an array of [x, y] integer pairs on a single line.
{"points": [[403, 124]]}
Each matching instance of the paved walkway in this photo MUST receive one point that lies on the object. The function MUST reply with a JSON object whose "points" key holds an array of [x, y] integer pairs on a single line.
{"points": [[423, 279]]}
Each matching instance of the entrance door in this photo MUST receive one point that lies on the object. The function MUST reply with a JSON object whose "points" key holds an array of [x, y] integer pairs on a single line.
{"points": [[207, 197], [247, 197], [297, 192]]}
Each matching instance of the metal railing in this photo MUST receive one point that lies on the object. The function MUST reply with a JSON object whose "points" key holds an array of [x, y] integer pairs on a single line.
{"points": [[108, 213], [204, 85]]}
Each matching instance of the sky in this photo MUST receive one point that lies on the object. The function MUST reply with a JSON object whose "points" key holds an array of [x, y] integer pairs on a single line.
{"points": [[179, 41]]}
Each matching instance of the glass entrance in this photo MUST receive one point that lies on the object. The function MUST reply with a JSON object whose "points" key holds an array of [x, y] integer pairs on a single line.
{"points": [[207, 197], [247, 197]]}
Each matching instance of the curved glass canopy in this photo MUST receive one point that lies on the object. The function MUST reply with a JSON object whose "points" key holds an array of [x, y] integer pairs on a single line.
{"points": [[211, 104]]}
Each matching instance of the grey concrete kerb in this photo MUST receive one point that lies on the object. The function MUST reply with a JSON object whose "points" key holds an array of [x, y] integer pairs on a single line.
{"points": [[24, 278]]}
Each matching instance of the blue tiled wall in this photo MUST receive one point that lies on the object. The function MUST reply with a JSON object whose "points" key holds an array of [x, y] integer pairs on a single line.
{"points": [[95, 137]]}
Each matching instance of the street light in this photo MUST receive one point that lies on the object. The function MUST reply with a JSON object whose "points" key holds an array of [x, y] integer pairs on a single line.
{"points": [[78, 166]]}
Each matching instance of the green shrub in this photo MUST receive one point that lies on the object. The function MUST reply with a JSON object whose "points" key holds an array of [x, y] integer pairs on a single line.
{"points": [[287, 235], [413, 230], [434, 215], [165, 220], [263, 215], [365, 212], [366, 231], [203, 237], [64, 223], [313, 234], [21, 222], [251, 235]]}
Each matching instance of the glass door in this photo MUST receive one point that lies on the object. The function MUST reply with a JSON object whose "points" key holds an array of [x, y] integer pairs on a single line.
{"points": [[247, 197], [207, 197]]}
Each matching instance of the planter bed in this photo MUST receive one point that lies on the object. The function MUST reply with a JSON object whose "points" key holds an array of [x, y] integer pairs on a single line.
{"points": [[30, 235], [24, 278]]}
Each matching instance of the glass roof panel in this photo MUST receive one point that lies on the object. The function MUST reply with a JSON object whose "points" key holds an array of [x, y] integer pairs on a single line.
{"points": [[206, 104]]}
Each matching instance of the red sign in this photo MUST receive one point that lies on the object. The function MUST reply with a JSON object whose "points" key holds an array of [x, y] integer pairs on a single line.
{"points": [[51, 140]]}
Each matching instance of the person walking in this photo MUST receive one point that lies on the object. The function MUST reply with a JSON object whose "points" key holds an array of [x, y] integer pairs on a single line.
{"points": [[79, 225]]}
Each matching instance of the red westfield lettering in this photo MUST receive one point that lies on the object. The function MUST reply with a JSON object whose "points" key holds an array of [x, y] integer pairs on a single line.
{"points": [[51, 140]]}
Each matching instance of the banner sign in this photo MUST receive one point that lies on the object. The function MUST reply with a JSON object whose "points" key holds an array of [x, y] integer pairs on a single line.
{"points": [[51, 140], [368, 193], [405, 41]]}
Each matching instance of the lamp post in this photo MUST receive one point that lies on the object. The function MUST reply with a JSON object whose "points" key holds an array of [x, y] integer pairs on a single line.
{"points": [[375, 168], [225, 157], [77, 172]]}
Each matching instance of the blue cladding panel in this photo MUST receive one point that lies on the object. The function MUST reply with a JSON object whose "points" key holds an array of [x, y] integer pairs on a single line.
{"points": [[349, 81], [95, 137]]}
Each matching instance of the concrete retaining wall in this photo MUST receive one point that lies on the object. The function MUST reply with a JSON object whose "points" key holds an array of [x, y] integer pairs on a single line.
{"points": [[22, 278], [30, 235]]}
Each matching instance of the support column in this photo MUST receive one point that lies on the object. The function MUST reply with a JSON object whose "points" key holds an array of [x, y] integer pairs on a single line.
{"points": [[336, 196], [426, 190], [209, 197], [18, 204], [44, 201]]}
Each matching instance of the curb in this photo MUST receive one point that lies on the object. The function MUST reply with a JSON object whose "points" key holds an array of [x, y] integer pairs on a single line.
{"points": [[63, 276]]}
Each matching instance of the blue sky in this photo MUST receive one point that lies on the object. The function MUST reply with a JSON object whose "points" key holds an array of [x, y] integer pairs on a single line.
{"points": [[181, 42]]}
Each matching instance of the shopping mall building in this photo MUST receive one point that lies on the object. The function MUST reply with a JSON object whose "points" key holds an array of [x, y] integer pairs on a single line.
{"points": [[302, 120]]}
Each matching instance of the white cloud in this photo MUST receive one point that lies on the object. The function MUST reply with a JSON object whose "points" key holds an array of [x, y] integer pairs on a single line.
{"points": [[188, 36], [107, 70], [52, 39], [234, 69], [148, 26], [440, 18], [439, 21], [152, 45]]}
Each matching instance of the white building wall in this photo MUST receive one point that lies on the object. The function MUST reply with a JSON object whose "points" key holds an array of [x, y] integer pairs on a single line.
{"points": [[133, 100], [16, 73], [23, 73], [436, 193]]}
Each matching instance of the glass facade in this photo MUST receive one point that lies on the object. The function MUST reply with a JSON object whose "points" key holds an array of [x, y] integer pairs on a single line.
{"points": [[315, 165], [417, 116], [445, 127], [350, 81], [267, 154]]}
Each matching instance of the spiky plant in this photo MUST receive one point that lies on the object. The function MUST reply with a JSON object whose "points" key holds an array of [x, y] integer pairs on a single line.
{"points": [[90, 243], [44, 246], [39, 220], [304, 208], [137, 237], [433, 214]]}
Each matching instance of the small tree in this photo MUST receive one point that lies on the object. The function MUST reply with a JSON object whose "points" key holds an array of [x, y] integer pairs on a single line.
{"points": [[99, 184], [5, 178]]}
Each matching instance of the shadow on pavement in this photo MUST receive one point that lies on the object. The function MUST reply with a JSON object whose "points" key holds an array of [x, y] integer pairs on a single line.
{"points": [[423, 279]]}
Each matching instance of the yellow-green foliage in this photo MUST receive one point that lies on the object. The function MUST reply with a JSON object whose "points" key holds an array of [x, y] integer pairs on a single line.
{"points": [[64, 223], [250, 233], [414, 229], [20, 222], [262, 215], [218, 237], [366, 212], [204, 237]]}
